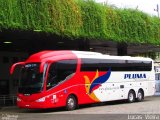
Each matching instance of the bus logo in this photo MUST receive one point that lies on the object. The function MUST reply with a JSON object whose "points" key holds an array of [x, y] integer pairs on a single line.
{"points": [[96, 83], [134, 76]]}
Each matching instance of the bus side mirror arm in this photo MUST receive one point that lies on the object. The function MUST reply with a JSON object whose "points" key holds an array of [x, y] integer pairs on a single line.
{"points": [[14, 65]]}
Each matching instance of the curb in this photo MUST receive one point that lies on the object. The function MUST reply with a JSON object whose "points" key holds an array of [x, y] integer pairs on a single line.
{"points": [[8, 107]]}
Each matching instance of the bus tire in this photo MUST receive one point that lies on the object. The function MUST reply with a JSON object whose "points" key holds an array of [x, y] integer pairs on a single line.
{"points": [[71, 103], [140, 95], [131, 96]]}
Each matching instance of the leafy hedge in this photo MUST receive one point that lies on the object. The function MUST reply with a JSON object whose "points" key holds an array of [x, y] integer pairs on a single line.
{"points": [[55, 16], [80, 18]]}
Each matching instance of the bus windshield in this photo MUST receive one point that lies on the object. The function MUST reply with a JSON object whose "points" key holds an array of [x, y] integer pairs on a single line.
{"points": [[31, 80]]}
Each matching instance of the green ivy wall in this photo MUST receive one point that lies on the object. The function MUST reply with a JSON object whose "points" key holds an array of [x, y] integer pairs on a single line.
{"points": [[80, 19]]}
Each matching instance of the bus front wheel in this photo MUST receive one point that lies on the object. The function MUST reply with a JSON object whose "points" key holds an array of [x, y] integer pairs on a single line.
{"points": [[131, 96], [71, 103]]}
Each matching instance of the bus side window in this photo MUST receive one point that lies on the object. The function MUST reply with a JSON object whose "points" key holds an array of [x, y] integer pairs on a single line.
{"points": [[52, 76], [60, 71], [65, 75], [66, 69]]}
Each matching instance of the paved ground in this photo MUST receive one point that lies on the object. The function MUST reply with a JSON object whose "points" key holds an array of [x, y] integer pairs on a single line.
{"points": [[149, 108]]}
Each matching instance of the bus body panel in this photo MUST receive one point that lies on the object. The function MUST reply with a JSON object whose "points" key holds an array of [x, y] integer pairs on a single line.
{"points": [[88, 86]]}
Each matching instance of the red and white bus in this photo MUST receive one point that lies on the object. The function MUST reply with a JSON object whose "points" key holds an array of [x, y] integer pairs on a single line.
{"points": [[50, 79]]}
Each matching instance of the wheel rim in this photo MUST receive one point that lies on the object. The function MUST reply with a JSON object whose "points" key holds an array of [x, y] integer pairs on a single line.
{"points": [[71, 103], [140, 96], [131, 97]]}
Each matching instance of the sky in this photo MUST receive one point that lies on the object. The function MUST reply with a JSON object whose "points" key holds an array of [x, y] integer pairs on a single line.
{"points": [[146, 6]]}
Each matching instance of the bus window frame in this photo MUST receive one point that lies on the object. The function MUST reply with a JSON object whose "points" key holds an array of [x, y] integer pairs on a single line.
{"points": [[48, 68]]}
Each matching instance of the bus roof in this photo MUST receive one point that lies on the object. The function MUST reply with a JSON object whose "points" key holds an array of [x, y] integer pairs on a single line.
{"points": [[48, 55], [44, 55], [104, 56]]}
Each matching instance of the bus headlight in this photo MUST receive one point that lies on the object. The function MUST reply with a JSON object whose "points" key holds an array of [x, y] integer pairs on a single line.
{"points": [[41, 99], [18, 99]]}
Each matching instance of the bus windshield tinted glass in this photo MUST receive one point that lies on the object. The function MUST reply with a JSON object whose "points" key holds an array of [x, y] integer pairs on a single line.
{"points": [[31, 80]]}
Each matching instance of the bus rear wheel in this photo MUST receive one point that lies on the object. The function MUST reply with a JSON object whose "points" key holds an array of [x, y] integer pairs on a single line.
{"points": [[140, 96], [71, 103], [131, 96]]}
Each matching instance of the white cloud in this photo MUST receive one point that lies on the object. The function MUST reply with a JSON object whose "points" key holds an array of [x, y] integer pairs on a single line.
{"points": [[147, 6]]}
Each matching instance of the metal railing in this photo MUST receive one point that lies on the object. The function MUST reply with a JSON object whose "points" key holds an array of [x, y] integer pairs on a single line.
{"points": [[7, 100]]}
